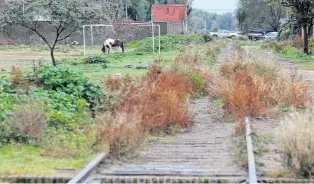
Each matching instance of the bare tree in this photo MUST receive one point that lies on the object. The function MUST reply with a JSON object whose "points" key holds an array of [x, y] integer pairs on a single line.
{"points": [[64, 17], [110, 11]]}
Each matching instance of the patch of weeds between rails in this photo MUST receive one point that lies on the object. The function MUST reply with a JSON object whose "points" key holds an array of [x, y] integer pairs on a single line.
{"points": [[259, 148]]}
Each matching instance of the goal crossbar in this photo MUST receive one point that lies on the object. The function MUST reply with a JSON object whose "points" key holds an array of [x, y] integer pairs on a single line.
{"points": [[122, 25]]}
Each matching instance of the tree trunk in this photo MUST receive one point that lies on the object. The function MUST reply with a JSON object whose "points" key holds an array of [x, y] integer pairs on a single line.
{"points": [[306, 41], [52, 56], [311, 29]]}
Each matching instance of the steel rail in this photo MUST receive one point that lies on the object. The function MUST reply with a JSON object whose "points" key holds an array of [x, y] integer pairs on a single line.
{"points": [[83, 174], [250, 153]]}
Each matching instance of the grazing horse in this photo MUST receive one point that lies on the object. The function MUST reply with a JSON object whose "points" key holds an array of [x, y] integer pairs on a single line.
{"points": [[109, 43]]}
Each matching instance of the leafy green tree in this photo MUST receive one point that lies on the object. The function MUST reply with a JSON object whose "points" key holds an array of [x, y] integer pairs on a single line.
{"points": [[65, 17], [197, 19], [260, 13], [225, 21], [303, 14]]}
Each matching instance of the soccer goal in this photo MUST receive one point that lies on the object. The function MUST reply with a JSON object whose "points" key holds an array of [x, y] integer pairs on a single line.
{"points": [[130, 28]]}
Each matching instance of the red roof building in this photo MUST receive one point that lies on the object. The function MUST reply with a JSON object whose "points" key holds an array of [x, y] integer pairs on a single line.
{"points": [[175, 12]]}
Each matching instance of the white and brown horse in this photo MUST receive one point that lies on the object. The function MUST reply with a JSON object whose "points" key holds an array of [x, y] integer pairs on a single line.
{"points": [[109, 43]]}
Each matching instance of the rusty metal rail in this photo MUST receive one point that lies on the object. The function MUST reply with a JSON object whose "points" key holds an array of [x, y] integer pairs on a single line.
{"points": [[89, 168], [249, 145]]}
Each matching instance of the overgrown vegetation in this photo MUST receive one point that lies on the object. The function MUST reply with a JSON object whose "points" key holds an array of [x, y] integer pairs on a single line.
{"points": [[296, 136], [58, 113], [250, 87], [292, 49], [156, 105], [167, 43]]}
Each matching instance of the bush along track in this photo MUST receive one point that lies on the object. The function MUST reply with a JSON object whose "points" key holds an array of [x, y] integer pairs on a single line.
{"points": [[253, 87]]}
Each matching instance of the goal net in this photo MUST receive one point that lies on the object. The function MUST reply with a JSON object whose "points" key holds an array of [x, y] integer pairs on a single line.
{"points": [[94, 36]]}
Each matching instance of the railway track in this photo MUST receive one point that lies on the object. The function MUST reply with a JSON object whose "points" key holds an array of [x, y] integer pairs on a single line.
{"points": [[204, 154], [95, 172]]}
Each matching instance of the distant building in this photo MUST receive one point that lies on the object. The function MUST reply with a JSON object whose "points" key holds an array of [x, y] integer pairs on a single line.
{"points": [[172, 18]]}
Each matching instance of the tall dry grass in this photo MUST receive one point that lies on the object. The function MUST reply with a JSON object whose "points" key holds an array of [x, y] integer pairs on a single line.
{"points": [[28, 120], [296, 142], [251, 86], [155, 104]]}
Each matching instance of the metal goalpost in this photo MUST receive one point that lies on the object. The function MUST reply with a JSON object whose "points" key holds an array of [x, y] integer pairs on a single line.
{"points": [[121, 25]]}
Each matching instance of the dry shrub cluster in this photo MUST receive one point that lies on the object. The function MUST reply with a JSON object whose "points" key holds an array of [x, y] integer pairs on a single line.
{"points": [[18, 81], [250, 87], [298, 41], [195, 61], [296, 136], [157, 103], [28, 120]]}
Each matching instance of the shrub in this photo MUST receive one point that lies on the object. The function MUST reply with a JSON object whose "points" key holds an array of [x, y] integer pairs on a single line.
{"points": [[17, 80], [297, 143], [122, 131], [311, 44], [298, 41], [207, 38], [5, 87], [279, 48], [167, 43], [6, 103], [5, 133], [249, 88], [58, 100], [164, 97], [269, 44], [67, 81], [198, 83], [96, 59], [284, 35], [155, 105], [28, 120]]}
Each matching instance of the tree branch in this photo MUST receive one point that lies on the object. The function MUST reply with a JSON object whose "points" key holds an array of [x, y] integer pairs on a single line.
{"points": [[38, 33]]}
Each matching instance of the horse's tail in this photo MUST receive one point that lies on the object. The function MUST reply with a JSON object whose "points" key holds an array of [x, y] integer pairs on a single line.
{"points": [[122, 47], [103, 48]]}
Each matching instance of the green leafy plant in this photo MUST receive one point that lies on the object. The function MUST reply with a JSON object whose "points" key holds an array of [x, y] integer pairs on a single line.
{"points": [[96, 59], [198, 83], [311, 44], [67, 81], [207, 37], [167, 43]]}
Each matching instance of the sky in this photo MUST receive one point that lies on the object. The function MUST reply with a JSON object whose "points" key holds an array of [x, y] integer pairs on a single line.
{"points": [[216, 6]]}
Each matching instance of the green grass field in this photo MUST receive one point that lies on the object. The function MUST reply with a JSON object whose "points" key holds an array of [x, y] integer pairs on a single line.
{"points": [[23, 159], [24, 58]]}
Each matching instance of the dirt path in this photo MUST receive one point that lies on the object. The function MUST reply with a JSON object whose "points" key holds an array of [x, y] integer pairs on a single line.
{"points": [[204, 150], [307, 75]]}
